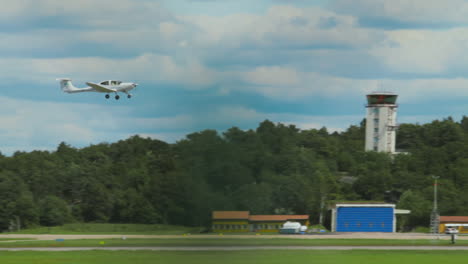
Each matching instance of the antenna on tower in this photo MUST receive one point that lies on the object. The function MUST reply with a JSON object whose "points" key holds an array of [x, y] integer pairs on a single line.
{"points": [[379, 86]]}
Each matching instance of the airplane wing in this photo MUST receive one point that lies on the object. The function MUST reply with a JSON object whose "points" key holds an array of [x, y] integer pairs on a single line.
{"points": [[100, 88]]}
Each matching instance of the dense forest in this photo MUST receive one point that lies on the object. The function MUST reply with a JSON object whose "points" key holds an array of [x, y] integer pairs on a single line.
{"points": [[274, 169]]}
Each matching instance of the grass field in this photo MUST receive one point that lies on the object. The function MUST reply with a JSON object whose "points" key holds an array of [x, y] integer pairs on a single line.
{"points": [[237, 257], [92, 228], [214, 242]]}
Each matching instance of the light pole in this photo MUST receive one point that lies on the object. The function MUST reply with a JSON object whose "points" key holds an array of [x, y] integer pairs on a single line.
{"points": [[435, 210], [435, 192]]}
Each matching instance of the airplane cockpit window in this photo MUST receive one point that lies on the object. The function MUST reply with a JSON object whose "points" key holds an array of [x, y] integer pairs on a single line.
{"points": [[105, 83]]}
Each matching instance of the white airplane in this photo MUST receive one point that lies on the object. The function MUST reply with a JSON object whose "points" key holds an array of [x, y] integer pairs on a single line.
{"points": [[102, 87]]}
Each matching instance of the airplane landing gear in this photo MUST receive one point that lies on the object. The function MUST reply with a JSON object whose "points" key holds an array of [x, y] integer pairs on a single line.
{"points": [[129, 96], [117, 97], [107, 96]]}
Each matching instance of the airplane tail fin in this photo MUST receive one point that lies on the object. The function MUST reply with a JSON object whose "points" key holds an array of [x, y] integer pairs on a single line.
{"points": [[67, 85]]}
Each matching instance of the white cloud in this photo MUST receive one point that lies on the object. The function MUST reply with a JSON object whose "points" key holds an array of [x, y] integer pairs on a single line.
{"points": [[287, 54], [28, 125], [282, 27], [173, 123], [287, 83], [429, 12], [424, 51], [147, 67], [243, 117], [102, 13], [273, 76], [418, 91]]}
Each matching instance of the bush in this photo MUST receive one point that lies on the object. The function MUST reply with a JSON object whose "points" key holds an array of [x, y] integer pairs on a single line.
{"points": [[421, 229]]}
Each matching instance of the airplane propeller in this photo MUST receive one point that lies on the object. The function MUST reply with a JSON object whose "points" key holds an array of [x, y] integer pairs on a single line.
{"points": [[134, 90]]}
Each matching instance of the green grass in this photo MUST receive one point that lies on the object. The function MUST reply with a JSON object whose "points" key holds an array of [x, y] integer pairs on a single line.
{"points": [[214, 242], [88, 257], [237, 257], [93, 228], [14, 239]]}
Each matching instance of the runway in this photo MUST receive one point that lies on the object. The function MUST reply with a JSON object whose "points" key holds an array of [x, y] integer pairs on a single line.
{"points": [[398, 236]]}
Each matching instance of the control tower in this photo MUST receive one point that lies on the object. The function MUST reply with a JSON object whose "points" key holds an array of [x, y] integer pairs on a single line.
{"points": [[381, 122]]}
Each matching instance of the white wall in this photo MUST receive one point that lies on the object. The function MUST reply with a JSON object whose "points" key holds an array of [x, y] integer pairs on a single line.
{"points": [[380, 136]]}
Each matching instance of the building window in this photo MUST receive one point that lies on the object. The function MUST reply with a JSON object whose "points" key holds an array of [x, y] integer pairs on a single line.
{"points": [[376, 148], [376, 130]]}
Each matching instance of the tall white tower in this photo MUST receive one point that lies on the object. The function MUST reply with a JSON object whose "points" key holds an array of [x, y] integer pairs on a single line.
{"points": [[381, 122]]}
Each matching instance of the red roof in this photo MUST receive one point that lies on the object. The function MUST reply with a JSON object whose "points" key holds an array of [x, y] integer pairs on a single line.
{"points": [[231, 215], [454, 219], [278, 217]]}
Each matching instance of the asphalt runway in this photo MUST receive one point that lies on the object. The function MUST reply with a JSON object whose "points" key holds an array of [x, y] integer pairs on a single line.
{"points": [[243, 236], [403, 236]]}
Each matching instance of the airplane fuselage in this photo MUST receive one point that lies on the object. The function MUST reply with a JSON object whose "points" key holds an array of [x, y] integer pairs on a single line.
{"points": [[115, 85], [107, 87]]}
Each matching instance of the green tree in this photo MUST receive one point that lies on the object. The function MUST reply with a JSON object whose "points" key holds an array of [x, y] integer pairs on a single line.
{"points": [[53, 211], [420, 209]]}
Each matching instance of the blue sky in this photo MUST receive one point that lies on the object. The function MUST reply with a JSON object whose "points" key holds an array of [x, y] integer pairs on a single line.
{"points": [[214, 64]]}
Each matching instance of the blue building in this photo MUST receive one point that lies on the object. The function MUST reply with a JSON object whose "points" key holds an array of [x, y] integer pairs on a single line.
{"points": [[364, 217]]}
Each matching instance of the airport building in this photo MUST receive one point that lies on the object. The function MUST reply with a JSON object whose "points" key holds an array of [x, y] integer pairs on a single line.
{"points": [[364, 217], [381, 122], [242, 221], [458, 222]]}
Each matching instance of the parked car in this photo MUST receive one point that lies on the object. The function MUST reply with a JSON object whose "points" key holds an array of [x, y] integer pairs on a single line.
{"points": [[451, 230]]}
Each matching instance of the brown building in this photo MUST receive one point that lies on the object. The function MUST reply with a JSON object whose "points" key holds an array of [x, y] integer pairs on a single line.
{"points": [[230, 221], [242, 221], [458, 222]]}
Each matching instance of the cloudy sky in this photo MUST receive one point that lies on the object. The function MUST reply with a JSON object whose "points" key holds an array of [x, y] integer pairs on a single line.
{"points": [[214, 64]]}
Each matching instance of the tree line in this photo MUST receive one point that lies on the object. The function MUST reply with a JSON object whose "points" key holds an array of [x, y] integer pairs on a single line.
{"points": [[274, 169]]}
